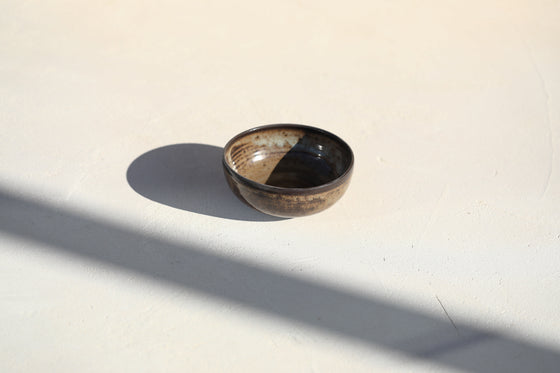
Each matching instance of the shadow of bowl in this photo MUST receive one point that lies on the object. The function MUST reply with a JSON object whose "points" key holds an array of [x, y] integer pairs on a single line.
{"points": [[189, 177]]}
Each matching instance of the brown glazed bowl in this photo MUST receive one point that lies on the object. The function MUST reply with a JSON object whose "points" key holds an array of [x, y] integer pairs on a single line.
{"points": [[288, 170]]}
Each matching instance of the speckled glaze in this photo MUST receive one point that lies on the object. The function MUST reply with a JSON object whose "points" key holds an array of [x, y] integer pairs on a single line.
{"points": [[288, 170]]}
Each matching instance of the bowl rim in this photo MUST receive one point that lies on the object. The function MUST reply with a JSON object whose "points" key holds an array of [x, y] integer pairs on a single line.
{"points": [[275, 189]]}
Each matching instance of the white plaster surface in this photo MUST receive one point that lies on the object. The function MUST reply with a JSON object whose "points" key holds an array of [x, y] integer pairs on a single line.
{"points": [[120, 252]]}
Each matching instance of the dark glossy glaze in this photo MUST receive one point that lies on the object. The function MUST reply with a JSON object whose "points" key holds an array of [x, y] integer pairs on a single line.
{"points": [[288, 170]]}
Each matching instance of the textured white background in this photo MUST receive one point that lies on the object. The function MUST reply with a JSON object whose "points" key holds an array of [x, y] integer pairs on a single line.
{"points": [[453, 112]]}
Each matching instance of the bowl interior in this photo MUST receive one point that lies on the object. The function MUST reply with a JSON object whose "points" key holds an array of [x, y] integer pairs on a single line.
{"points": [[288, 156]]}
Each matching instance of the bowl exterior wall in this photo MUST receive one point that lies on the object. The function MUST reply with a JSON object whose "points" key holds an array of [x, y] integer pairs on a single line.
{"points": [[287, 205]]}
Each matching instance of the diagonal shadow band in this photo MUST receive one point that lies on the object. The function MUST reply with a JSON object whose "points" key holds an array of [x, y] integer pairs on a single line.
{"points": [[348, 314], [189, 177]]}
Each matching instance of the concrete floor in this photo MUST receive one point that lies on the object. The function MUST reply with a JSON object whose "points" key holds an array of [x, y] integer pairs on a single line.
{"points": [[121, 248]]}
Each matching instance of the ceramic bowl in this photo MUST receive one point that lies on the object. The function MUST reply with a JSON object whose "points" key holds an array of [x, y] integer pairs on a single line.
{"points": [[288, 170]]}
